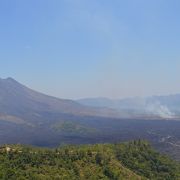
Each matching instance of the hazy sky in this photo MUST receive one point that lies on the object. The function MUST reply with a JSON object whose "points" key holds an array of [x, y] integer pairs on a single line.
{"points": [[92, 48]]}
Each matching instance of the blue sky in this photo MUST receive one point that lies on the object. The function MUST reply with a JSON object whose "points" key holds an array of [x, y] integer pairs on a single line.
{"points": [[92, 48]]}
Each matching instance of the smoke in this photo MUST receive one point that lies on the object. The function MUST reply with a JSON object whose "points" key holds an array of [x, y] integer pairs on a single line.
{"points": [[156, 108]]}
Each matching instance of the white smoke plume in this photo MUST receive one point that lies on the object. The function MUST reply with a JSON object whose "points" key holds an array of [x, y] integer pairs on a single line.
{"points": [[156, 108]]}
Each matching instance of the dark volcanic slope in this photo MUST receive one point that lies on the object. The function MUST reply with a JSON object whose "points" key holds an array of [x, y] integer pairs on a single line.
{"points": [[19, 103]]}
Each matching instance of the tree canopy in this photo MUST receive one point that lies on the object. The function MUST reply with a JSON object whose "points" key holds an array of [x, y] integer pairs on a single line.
{"points": [[131, 160]]}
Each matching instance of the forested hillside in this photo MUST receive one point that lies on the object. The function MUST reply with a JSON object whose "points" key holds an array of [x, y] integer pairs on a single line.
{"points": [[132, 160]]}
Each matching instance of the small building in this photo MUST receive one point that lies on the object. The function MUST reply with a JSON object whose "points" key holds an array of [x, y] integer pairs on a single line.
{"points": [[8, 149]]}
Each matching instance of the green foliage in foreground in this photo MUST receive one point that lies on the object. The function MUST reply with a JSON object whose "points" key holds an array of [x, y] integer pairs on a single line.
{"points": [[134, 161]]}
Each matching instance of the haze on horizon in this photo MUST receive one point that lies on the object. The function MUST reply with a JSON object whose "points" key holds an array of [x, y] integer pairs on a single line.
{"points": [[98, 48]]}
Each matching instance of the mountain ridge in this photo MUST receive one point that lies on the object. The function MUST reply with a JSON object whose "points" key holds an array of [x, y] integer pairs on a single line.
{"points": [[167, 107], [16, 99]]}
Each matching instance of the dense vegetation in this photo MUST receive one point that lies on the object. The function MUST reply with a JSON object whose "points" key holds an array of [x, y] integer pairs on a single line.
{"points": [[73, 128], [132, 160]]}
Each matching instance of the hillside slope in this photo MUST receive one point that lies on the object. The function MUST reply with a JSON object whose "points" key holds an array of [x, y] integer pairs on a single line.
{"points": [[128, 161], [19, 104]]}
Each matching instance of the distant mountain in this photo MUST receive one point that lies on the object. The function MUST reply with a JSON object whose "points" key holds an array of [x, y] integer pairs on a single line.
{"points": [[27, 116], [165, 107], [22, 105], [30, 117]]}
